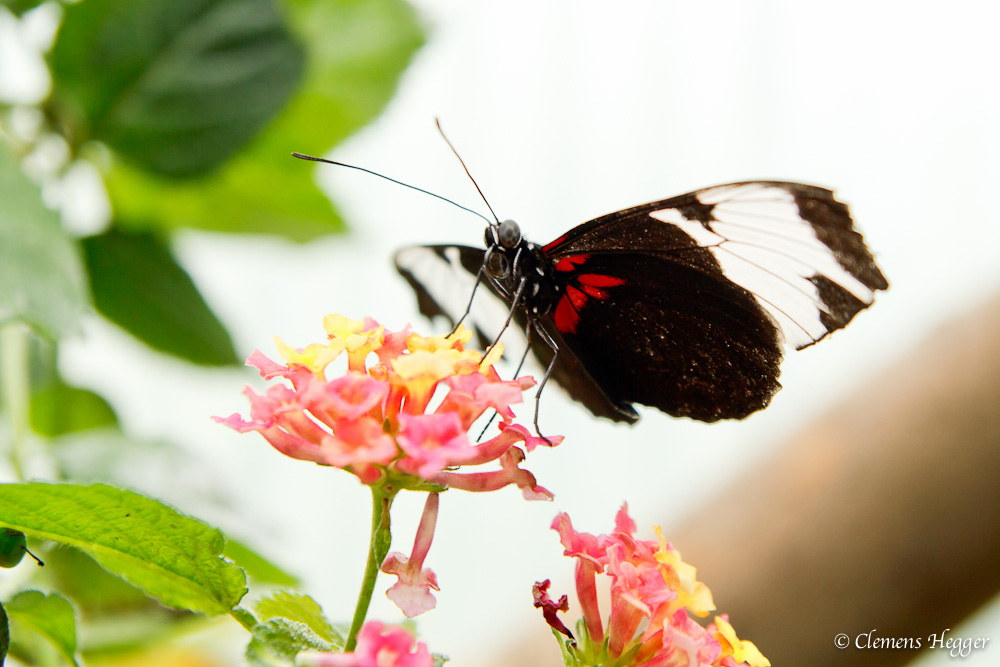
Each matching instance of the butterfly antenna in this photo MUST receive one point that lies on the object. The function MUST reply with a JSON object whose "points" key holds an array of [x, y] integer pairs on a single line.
{"points": [[438, 123], [311, 158]]}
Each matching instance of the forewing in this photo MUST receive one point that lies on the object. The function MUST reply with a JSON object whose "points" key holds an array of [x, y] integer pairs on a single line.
{"points": [[792, 246]]}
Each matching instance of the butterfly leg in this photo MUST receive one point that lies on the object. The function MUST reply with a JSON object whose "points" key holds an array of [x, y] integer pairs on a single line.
{"points": [[468, 306], [510, 315], [517, 373], [548, 373]]}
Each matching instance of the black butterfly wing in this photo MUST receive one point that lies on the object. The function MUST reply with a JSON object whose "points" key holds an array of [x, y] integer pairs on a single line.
{"points": [[664, 333], [443, 277], [683, 304]]}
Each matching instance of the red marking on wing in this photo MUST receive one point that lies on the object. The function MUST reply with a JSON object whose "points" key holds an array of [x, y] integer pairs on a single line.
{"points": [[575, 296], [553, 244], [569, 263], [567, 314], [598, 280], [595, 292], [566, 317]]}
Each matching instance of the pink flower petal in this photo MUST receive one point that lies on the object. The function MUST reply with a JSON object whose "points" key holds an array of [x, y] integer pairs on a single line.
{"points": [[412, 593], [684, 639], [357, 444], [268, 368], [432, 442], [378, 646], [350, 396]]}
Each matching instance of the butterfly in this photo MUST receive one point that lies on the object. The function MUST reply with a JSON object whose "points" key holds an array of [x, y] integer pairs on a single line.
{"points": [[684, 304]]}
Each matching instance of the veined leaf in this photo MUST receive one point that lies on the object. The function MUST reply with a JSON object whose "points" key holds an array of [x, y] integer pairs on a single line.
{"points": [[276, 642], [173, 557], [301, 609]]}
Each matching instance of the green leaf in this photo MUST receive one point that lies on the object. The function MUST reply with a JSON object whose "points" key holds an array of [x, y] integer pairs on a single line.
{"points": [[51, 616], [18, 7], [92, 588], [137, 284], [256, 566], [302, 609], [118, 616], [41, 276], [59, 409], [4, 635], [173, 557], [276, 642], [263, 193], [357, 53], [175, 86]]}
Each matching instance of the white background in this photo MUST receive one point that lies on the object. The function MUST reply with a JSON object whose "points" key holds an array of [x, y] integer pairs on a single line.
{"points": [[564, 111]]}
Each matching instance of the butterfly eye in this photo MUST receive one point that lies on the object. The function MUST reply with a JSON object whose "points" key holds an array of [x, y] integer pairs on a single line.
{"points": [[497, 265], [491, 237], [509, 233]]}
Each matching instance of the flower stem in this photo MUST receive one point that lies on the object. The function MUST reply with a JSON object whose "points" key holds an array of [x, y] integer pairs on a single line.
{"points": [[14, 388], [381, 538]]}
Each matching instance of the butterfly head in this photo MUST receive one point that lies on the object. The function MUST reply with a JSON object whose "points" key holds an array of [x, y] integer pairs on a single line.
{"points": [[506, 235], [509, 234], [502, 242]]}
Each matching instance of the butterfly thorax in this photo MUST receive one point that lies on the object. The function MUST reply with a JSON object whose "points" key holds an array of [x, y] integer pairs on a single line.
{"points": [[510, 260]]}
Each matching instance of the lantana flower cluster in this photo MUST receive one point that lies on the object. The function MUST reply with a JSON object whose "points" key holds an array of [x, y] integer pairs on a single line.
{"points": [[654, 595], [376, 420]]}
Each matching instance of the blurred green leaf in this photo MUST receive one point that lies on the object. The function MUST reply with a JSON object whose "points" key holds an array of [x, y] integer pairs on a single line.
{"points": [[175, 86], [59, 409], [51, 616], [302, 609], [276, 642], [18, 7], [4, 635], [118, 616], [91, 587], [357, 53], [136, 283], [41, 276], [256, 566], [253, 194], [173, 557]]}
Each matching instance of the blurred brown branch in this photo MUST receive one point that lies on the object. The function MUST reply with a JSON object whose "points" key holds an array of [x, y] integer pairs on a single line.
{"points": [[883, 515]]}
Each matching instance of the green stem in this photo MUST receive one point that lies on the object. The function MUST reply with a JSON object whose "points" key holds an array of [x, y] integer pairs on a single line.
{"points": [[377, 550], [243, 617], [14, 387]]}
